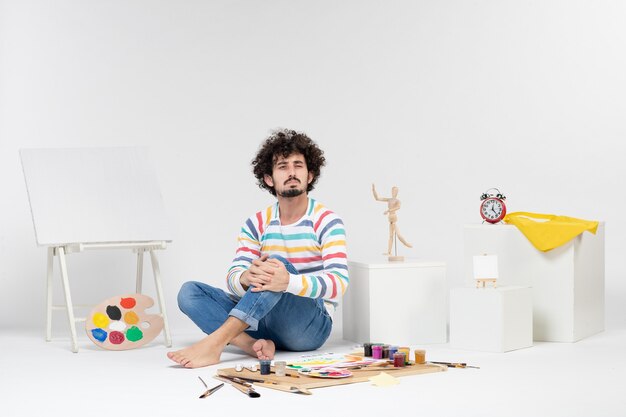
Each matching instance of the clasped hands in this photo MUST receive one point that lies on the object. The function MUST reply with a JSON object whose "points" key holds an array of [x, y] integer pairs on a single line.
{"points": [[266, 274]]}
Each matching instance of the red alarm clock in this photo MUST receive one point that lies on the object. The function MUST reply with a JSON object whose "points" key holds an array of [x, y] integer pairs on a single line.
{"points": [[492, 208]]}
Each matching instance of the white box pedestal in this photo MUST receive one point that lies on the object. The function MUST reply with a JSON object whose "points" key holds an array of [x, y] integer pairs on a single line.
{"points": [[401, 303], [567, 282], [491, 319]]}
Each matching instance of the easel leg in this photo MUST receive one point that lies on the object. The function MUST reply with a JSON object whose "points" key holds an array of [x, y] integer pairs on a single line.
{"points": [[159, 289], [49, 294], [68, 298], [139, 270]]}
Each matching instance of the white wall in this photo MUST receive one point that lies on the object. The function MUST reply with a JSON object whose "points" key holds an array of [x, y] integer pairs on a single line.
{"points": [[442, 98]]}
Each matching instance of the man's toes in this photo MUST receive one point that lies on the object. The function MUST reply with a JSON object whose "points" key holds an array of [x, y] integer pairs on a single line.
{"points": [[179, 359]]}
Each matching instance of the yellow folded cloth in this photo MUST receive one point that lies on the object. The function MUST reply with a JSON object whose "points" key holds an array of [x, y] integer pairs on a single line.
{"points": [[549, 231]]}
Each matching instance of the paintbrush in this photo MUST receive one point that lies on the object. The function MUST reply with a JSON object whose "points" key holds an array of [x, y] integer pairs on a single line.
{"points": [[209, 391], [270, 384], [455, 364], [240, 384], [281, 387]]}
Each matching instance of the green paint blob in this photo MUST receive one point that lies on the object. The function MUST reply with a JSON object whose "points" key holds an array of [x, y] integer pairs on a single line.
{"points": [[134, 334]]}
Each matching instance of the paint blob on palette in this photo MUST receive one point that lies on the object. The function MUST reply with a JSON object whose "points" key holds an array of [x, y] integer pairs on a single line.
{"points": [[121, 323]]}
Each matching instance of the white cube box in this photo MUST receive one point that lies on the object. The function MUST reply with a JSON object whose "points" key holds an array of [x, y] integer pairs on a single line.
{"points": [[491, 319], [567, 282], [401, 303]]}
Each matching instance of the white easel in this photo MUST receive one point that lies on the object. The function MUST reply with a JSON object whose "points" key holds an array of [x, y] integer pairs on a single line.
{"points": [[119, 206]]}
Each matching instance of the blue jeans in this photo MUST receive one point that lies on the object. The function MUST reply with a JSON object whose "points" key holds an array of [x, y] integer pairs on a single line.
{"points": [[292, 322]]}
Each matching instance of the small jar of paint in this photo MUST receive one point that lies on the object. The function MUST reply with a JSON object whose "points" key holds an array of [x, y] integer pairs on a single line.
{"points": [[392, 350], [377, 351], [406, 351], [266, 367], [280, 368], [386, 352], [367, 350], [420, 356], [398, 359]]}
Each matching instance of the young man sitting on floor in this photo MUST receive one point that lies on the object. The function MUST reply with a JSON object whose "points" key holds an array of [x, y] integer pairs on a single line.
{"points": [[289, 272]]}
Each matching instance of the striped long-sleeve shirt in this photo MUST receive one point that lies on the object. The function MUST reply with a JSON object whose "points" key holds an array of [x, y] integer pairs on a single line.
{"points": [[315, 245]]}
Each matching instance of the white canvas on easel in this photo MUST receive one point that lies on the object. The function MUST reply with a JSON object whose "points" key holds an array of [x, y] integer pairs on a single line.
{"points": [[95, 198], [485, 269]]}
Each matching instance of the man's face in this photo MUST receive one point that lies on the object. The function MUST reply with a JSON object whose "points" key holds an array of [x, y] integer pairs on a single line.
{"points": [[290, 176]]}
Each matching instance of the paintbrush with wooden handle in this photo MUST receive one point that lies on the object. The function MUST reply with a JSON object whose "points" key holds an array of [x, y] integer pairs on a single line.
{"points": [[241, 385], [455, 364], [209, 391], [280, 386]]}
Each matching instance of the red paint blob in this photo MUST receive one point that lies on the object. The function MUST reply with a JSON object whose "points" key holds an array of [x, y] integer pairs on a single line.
{"points": [[116, 337], [128, 302]]}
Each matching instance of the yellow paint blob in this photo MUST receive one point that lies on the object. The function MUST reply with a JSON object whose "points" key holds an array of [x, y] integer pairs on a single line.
{"points": [[131, 317], [100, 320]]}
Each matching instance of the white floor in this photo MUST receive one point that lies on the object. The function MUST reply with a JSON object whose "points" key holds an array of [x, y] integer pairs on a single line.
{"points": [[587, 378]]}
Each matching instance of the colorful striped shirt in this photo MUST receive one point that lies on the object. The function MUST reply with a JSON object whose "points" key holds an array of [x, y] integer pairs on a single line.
{"points": [[315, 245]]}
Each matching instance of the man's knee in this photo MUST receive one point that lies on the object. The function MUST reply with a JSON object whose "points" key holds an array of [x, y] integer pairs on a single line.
{"points": [[186, 295], [292, 269], [279, 258]]}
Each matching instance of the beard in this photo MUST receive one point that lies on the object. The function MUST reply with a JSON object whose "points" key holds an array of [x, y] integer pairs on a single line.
{"points": [[291, 192]]}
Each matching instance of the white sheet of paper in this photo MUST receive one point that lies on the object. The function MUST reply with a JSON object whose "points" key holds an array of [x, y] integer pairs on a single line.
{"points": [[485, 266]]}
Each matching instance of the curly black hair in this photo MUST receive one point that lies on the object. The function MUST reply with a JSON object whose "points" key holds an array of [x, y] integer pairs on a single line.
{"points": [[284, 142]]}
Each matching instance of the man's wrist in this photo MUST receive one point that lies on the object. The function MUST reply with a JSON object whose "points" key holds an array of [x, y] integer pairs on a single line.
{"points": [[243, 280]]}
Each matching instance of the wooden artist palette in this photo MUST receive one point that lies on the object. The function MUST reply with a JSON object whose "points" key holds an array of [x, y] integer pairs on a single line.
{"points": [[120, 323]]}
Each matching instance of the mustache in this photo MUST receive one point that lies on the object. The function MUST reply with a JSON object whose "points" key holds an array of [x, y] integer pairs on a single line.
{"points": [[292, 178]]}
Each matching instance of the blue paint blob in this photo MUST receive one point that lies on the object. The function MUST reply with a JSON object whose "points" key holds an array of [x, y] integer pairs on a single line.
{"points": [[99, 334]]}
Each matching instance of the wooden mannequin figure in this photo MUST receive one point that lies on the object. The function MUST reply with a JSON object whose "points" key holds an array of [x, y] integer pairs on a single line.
{"points": [[393, 205]]}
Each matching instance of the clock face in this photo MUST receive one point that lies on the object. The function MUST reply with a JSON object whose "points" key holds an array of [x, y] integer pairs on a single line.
{"points": [[492, 210]]}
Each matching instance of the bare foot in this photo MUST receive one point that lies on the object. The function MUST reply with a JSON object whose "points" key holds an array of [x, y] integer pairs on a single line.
{"points": [[204, 353], [264, 349]]}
